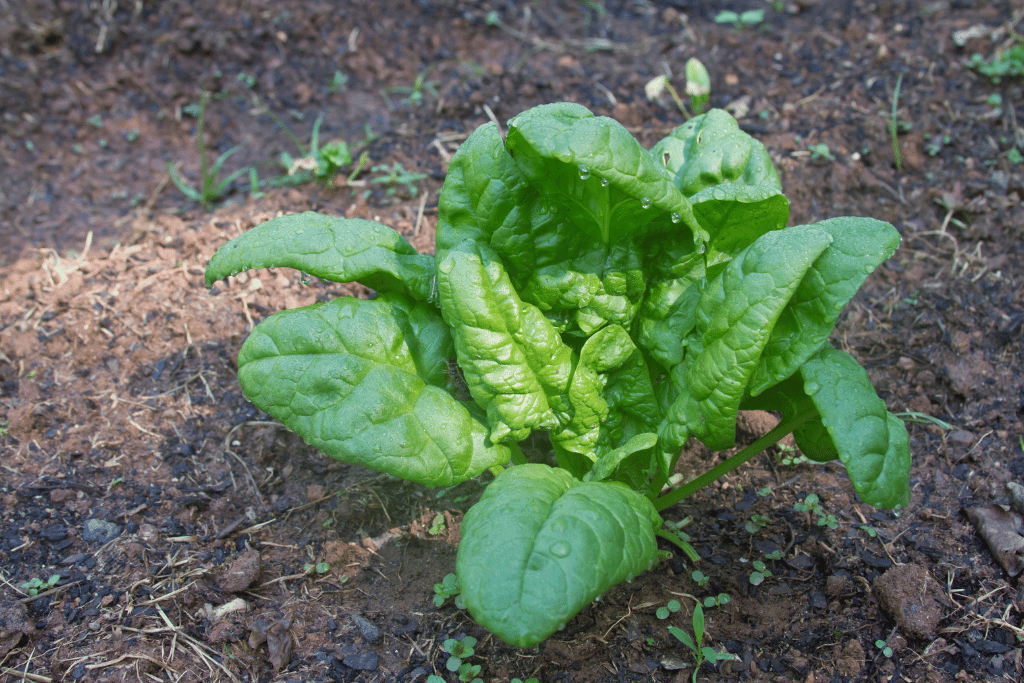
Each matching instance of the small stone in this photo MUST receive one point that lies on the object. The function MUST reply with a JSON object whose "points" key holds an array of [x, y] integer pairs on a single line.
{"points": [[242, 572], [962, 437], [100, 531], [370, 633], [907, 593], [54, 532], [362, 661]]}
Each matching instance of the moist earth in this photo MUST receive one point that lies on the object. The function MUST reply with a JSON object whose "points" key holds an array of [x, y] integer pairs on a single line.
{"points": [[158, 527]]}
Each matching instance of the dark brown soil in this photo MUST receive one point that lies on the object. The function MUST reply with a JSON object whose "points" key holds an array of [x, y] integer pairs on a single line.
{"points": [[194, 540]]}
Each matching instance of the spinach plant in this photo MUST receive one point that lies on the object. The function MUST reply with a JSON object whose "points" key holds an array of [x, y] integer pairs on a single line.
{"points": [[607, 301]]}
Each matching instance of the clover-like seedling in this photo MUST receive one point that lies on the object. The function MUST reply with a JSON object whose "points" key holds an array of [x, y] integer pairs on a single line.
{"points": [[760, 573], [700, 577], [461, 650], [36, 586], [447, 590], [670, 608], [881, 645]]}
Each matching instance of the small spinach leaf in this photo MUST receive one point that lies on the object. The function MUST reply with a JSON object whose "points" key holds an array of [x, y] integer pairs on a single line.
{"points": [[335, 249], [540, 545]]}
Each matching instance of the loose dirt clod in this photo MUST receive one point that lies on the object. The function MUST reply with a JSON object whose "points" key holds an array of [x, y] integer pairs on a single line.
{"points": [[907, 593], [243, 572]]}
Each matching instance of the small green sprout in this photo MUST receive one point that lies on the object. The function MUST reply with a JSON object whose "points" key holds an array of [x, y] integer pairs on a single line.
{"points": [[893, 123], [436, 525], [1008, 63], [701, 653], [96, 121], [812, 504], [528, 680], [668, 610], [700, 577], [461, 650], [870, 531], [756, 523], [751, 17], [716, 600], [821, 151], [448, 589], [37, 585], [886, 650], [698, 85], [760, 573], [211, 190]]}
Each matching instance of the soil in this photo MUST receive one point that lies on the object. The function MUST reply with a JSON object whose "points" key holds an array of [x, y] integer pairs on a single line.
{"points": [[174, 533]]}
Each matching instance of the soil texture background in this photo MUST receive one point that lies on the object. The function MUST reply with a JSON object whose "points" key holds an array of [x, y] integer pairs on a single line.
{"points": [[155, 526]]}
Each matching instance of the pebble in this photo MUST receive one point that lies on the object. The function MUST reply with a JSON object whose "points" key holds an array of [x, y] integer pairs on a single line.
{"points": [[362, 661], [100, 531], [370, 633], [242, 573], [54, 532]]}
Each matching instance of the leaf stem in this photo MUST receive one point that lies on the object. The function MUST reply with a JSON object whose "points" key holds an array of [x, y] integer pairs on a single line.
{"points": [[769, 439]]}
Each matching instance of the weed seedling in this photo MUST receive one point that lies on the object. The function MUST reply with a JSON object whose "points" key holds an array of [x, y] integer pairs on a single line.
{"points": [[37, 585], [756, 523], [812, 505], [886, 650], [893, 123], [1007, 64], [751, 17], [701, 653], [700, 578], [448, 589], [760, 573], [461, 650], [437, 526], [668, 610], [698, 85], [821, 151], [211, 190]]}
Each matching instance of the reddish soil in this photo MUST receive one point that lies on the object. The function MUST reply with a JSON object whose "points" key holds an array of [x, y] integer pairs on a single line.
{"points": [[191, 539]]}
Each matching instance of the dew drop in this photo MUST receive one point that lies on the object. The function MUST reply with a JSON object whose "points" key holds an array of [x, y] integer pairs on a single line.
{"points": [[676, 217], [446, 266], [543, 208], [270, 267], [560, 549], [869, 269], [584, 172], [604, 182], [811, 388], [561, 626], [702, 248], [629, 578], [304, 278], [645, 203]]}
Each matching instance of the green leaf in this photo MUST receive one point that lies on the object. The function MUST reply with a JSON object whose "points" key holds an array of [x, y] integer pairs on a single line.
{"points": [[683, 637], [541, 545], [698, 624], [855, 426], [729, 179], [553, 265], [359, 380], [735, 317], [515, 364], [592, 168], [767, 312], [336, 249], [606, 464], [857, 247]]}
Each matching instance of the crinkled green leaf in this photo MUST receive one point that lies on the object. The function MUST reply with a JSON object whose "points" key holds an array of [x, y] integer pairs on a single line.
{"points": [[610, 390], [607, 463], [360, 380], [555, 266], [540, 545], [710, 151], [729, 179], [515, 364], [595, 171], [855, 426], [335, 249]]}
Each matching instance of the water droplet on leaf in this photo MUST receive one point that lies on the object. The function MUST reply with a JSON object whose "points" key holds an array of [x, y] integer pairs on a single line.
{"points": [[645, 203], [811, 388], [676, 217], [604, 182], [560, 549], [446, 266], [304, 278], [702, 248], [584, 172]]}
